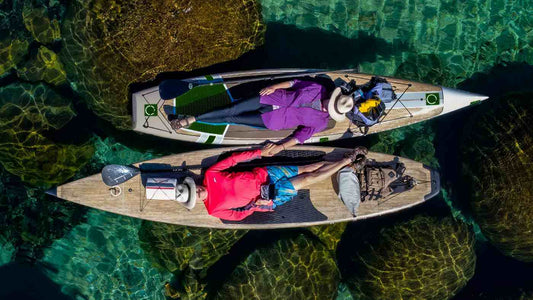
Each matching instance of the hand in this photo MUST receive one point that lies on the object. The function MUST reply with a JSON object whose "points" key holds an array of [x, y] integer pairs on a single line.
{"points": [[262, 202], [267, 91], [267, 149]]}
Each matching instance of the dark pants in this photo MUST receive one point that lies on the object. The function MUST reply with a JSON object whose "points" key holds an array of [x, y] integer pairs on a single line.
{"points": [[242, 112]]}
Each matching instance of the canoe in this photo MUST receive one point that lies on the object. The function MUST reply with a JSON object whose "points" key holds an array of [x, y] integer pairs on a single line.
{"points": [[319, 204], [420, 102]]}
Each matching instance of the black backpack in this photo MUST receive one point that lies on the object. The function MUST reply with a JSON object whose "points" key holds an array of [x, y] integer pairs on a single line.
{"points": [[365, 121], [382, 179]]}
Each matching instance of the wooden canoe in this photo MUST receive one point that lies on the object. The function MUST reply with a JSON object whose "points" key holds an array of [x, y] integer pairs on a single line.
{"points": [[419, 102], [317, 205]]}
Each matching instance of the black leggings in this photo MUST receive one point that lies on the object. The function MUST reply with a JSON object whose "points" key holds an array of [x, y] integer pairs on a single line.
{"points": [[242, 112]]}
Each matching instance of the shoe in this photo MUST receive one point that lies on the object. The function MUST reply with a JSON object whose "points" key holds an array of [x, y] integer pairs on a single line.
{"points": [[177, 123], [359, 164], [358, 151]]}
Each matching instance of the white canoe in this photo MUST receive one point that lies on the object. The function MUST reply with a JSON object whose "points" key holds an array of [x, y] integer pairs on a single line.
{"points": [[319, 204], [419, 103]]}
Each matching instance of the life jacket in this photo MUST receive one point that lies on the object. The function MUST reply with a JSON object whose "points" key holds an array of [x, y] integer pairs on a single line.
{"points": [[382, 179]]}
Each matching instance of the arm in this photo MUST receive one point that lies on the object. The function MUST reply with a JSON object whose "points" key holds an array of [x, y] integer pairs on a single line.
{"points": [[272, 149], [299, 136], [302, 133], [243, 212], [282, 85], [232, 215], [234, 159]]}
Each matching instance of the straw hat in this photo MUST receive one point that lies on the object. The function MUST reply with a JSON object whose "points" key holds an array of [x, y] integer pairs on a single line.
{"points": [[186, 193], [339, 105]]}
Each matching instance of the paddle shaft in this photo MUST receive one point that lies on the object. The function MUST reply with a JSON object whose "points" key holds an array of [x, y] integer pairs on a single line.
{"points": [[260, 78]]}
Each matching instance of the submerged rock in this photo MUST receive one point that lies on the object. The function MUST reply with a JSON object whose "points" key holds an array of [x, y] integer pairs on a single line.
{"points": [[11, 53], [26, 113], [173, 247], [187, 252], [330, 235], [497, 164], [45, 66], [110, 44], [290, 268], [425, 258], [37, 22]]}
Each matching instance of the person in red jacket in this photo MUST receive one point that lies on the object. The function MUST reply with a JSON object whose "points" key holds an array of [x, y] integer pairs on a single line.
{"points": [[236, 195]]}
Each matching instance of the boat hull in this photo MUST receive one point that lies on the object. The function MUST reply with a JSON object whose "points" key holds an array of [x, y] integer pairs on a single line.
{"points": [[420, 102], [316, 205]]}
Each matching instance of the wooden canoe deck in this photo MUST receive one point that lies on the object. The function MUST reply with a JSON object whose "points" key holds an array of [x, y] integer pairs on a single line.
{"points": [[92, 192], [245, 135]]}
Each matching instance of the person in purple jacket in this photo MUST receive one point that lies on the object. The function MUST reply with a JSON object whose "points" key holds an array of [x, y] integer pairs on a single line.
{"points": [[303, 104]]}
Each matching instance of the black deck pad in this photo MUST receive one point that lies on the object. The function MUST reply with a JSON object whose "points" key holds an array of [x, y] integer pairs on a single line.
{"points": [[284, 158], [298, 210]]}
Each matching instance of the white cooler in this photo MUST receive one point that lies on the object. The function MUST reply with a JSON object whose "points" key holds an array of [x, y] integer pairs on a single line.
{"points": [[161, 188]]}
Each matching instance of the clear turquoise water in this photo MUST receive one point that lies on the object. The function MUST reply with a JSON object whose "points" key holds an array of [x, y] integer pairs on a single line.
{"points": [[446, 42], [101, 258]]}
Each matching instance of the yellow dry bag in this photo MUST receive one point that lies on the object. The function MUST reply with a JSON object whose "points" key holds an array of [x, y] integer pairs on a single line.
{"points": [[367, 106]]}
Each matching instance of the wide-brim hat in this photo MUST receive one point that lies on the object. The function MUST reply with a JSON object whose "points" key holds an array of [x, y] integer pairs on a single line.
{"points": [[186, 193], [339, 105]]}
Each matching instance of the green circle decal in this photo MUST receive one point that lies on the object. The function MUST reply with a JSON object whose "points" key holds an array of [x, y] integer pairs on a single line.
{"points": [[432, 99], [150, 110]]}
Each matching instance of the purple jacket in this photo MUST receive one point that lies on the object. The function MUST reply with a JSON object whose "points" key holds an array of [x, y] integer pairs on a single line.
{"points": [[291, 113]]}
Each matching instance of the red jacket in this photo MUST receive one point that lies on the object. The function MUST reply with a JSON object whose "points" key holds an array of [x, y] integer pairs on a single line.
{"points": [[232, 195]]}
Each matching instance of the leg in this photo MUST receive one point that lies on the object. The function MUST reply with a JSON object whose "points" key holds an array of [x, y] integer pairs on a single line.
{"points": [[250, 119], [235, 109], [310, 167], [319, 174]]}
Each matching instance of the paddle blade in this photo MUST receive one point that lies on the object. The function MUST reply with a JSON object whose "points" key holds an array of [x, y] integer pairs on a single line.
{"points": [[173, 88], [116, 174]]}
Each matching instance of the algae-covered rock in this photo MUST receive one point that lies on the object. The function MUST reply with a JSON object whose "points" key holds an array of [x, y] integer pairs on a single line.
{"points": [[425, 258], [187, 252], [290, 268], [497, 164], [173, 247], [45, 66], [11, 53], [330, 235], [26, 113], [37, 22], [110, 44]]}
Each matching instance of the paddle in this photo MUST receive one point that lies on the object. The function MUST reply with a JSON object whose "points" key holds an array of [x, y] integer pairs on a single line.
{"points": [[116, 174], [172, 88]]}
